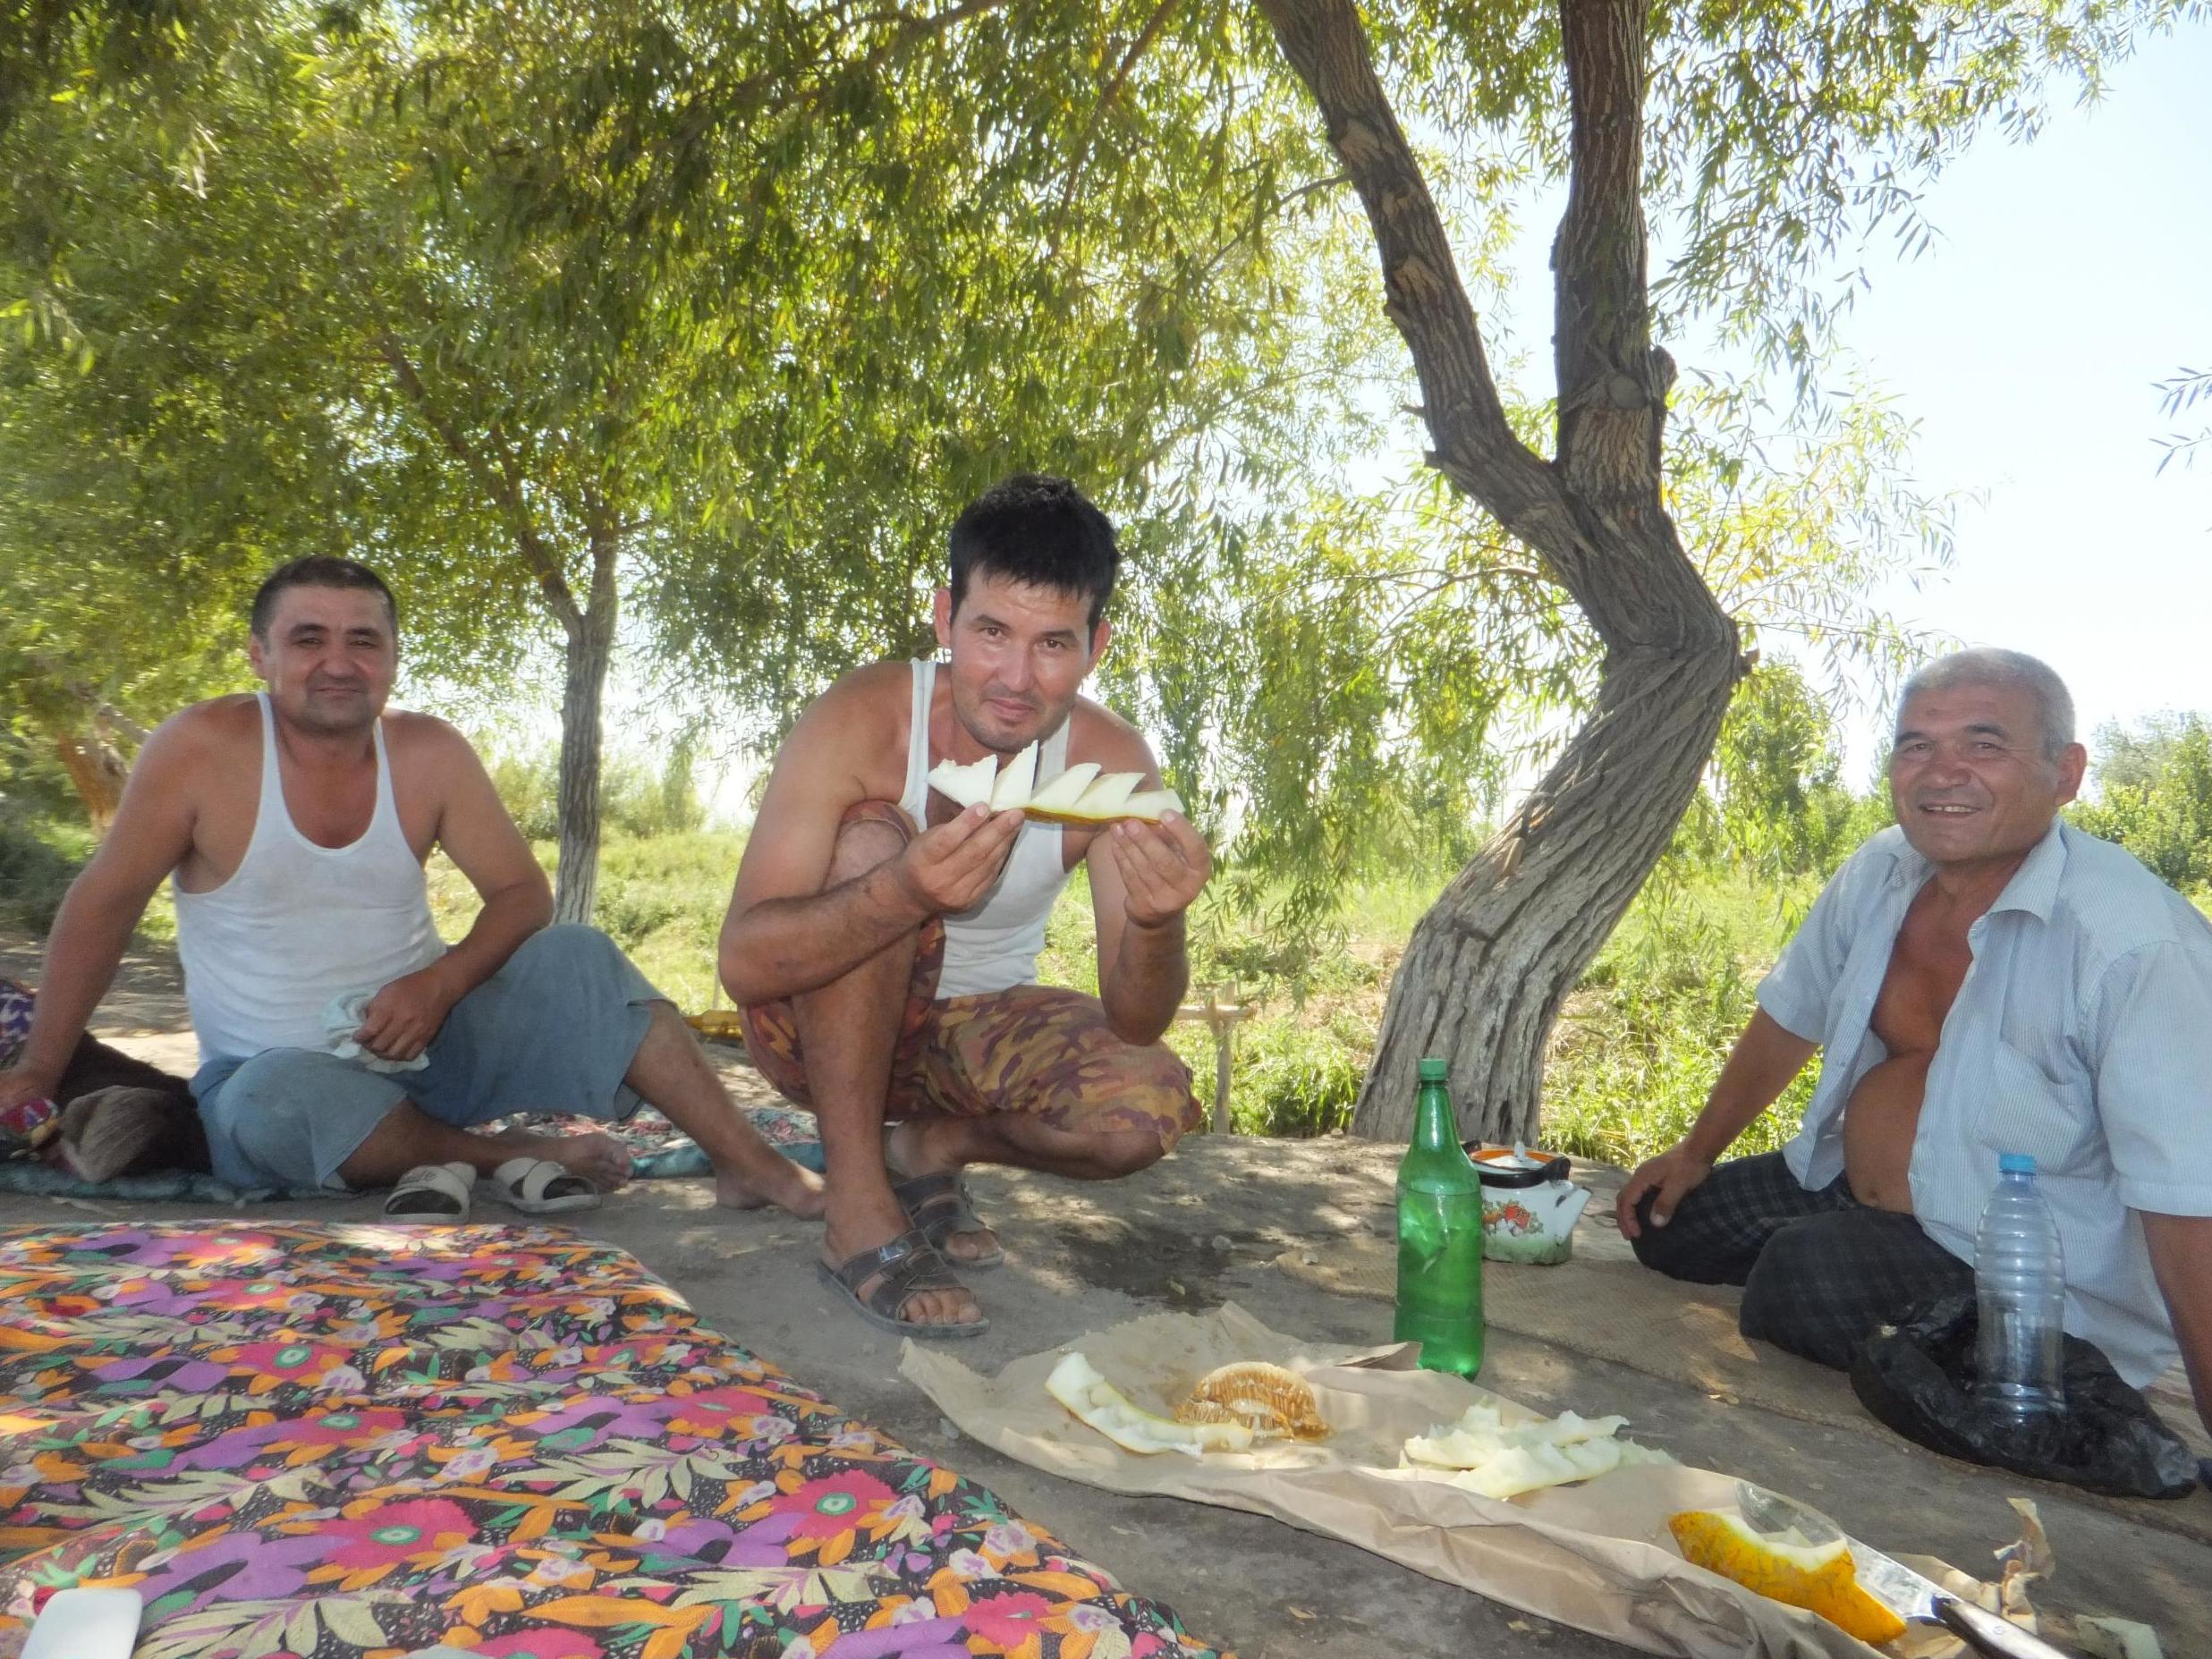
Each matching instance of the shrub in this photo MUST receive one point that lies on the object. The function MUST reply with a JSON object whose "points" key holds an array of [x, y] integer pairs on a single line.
{"points": [[2155, 797], [40, 857], [1640, 1043], [1295, 1078], [634, 799]]}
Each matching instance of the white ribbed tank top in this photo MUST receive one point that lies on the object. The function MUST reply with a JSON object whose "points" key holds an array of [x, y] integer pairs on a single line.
{"points": [[994, 946], [297, 924]]}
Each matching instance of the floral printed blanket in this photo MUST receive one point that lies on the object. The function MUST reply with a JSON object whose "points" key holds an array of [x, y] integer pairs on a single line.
{"points": [[346, 1441]]}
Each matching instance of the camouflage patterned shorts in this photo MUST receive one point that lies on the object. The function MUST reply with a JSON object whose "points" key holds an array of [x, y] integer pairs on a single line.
{"points": [[1033, 1049]]}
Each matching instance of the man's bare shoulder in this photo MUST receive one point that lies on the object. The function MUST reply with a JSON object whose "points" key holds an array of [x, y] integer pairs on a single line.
{"points": [[1096, 732], [425, 736], [213, 729], [864, 711]]}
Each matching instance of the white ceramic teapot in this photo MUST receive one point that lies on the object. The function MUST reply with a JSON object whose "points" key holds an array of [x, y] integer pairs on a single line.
{"points": [[1529, 1206]]}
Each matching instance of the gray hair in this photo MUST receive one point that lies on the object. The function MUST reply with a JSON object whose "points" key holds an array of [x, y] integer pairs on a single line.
{"points": [[1988, 665]]}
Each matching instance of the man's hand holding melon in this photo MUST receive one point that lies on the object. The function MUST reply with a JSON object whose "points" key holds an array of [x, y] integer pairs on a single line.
{"points": [[950, 868]]}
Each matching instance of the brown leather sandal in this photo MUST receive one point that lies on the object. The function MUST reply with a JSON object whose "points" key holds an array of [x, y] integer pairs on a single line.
{"points": [[938, 1207], [908, 1263]]}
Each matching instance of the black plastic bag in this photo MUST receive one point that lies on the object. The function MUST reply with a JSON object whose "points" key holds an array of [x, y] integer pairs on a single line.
{"points": [[1919, 1378]]}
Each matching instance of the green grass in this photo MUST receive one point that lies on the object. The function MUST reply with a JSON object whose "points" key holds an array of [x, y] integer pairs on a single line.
{"points": [[1642, 1038], [1637, 1048], [40, 857], [661, 899]]}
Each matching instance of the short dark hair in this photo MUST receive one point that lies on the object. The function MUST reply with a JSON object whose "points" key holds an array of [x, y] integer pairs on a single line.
{"points": [[319, 570], [1036, 528]]}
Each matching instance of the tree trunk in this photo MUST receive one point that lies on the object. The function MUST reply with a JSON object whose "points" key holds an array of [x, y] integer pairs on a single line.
{"points": [[1489, 966], [590, 649], [97, 769], [1482, 979]]}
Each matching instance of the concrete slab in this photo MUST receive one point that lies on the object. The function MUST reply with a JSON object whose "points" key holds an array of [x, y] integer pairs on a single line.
{"points": [[1203, 1227]]}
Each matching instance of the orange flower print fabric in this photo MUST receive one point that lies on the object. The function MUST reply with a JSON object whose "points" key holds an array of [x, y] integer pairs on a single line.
{"points": [[341, 1441]]}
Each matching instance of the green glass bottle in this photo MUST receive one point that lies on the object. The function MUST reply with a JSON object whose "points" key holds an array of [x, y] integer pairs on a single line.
{"points": [[1439, 1237]]}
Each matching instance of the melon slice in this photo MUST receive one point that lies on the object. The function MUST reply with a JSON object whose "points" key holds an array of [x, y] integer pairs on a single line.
{"points": [[1077, 1385], [1149, 804], [1105, 798], [969, 785], [1079, 795], [1785, 1567], [1267, 1398], [1502, 1460], [1016, 778], [1063, 791]]}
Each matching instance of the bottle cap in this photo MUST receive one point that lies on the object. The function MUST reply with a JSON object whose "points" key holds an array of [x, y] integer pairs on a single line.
{"points": [[1434, 1070], [2015, 1163]]}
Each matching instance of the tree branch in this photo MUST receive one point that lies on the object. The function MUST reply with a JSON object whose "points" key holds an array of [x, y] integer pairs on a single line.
{"points": [[1137, 49], [1612, 386], [504, 487], [1212, 260], [1475, 444]]}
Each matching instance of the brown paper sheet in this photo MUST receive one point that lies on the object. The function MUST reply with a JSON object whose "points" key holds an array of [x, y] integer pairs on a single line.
{"points": [[1596, 1556]]}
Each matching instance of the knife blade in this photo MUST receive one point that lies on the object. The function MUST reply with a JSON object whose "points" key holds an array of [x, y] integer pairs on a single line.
{"points": [[1912, 1597]]}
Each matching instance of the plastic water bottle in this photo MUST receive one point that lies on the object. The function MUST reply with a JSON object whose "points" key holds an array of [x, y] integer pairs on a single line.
{"points": [[1439, 1237], [2020, 1281]]}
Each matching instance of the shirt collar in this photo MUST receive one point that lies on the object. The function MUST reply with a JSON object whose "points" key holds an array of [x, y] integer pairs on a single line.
{"points": [[2034, 886]]}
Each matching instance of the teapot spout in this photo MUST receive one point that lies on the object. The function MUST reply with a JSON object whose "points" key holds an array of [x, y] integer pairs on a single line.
{"points": [[1570, 1210]]}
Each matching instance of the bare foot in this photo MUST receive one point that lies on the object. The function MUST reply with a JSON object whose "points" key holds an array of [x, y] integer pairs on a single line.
{"points": [[597, 1157], [793, 1188], [905, 1154], [865, 1229]]}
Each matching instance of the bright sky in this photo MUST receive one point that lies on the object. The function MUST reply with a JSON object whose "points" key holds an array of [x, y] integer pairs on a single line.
{"points": [[2072, 274]]}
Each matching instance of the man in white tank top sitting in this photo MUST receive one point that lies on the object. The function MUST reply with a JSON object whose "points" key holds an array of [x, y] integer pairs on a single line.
{"points": [[883, 941], [293, 824]]}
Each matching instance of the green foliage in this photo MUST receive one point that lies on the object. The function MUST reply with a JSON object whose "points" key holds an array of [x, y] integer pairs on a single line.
{"points": [[1780, 806], [634, 799], [40, 857], [1640, 1043], [1295, 1078], [2155, 797], [660, 897], [1779, 138]]}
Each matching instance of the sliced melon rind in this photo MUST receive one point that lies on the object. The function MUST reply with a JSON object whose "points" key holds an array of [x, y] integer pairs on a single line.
{"points": [[1016, 779], [1502, 1460], [1063, 791], [1785, 1567], [968, 785], [1079, 1385]]}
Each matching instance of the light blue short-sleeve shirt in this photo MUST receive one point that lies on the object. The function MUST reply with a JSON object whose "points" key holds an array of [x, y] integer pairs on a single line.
{"points": [[2081, 1034]]}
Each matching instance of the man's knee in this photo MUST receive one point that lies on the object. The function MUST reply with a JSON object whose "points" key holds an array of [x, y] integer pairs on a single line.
{"points": [[1120, 1153], [1800, 1297], [281, 1110], [568, 966], [573, 948], [1673, 1249], [1148, 1105], [872, 833]]}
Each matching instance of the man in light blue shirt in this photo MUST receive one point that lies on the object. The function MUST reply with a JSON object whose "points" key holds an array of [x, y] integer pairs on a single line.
{"points": [[1983, 978]]}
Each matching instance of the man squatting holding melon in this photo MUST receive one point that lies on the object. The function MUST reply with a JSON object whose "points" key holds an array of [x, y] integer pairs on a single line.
{"points": [[882, 939]]}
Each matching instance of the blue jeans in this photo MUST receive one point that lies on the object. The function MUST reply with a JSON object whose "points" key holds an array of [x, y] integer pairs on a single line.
{"points": [[554, 1030]]}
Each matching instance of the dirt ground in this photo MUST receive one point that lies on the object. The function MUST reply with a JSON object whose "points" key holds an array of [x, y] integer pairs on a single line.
{"points": [[1203, 1227]]}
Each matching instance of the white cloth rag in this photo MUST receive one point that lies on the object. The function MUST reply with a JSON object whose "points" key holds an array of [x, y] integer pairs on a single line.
{"points": [[343, 1017]]}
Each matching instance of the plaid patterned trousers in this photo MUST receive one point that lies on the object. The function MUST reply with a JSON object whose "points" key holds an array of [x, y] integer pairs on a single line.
{"points": [[1820, 1271]]}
